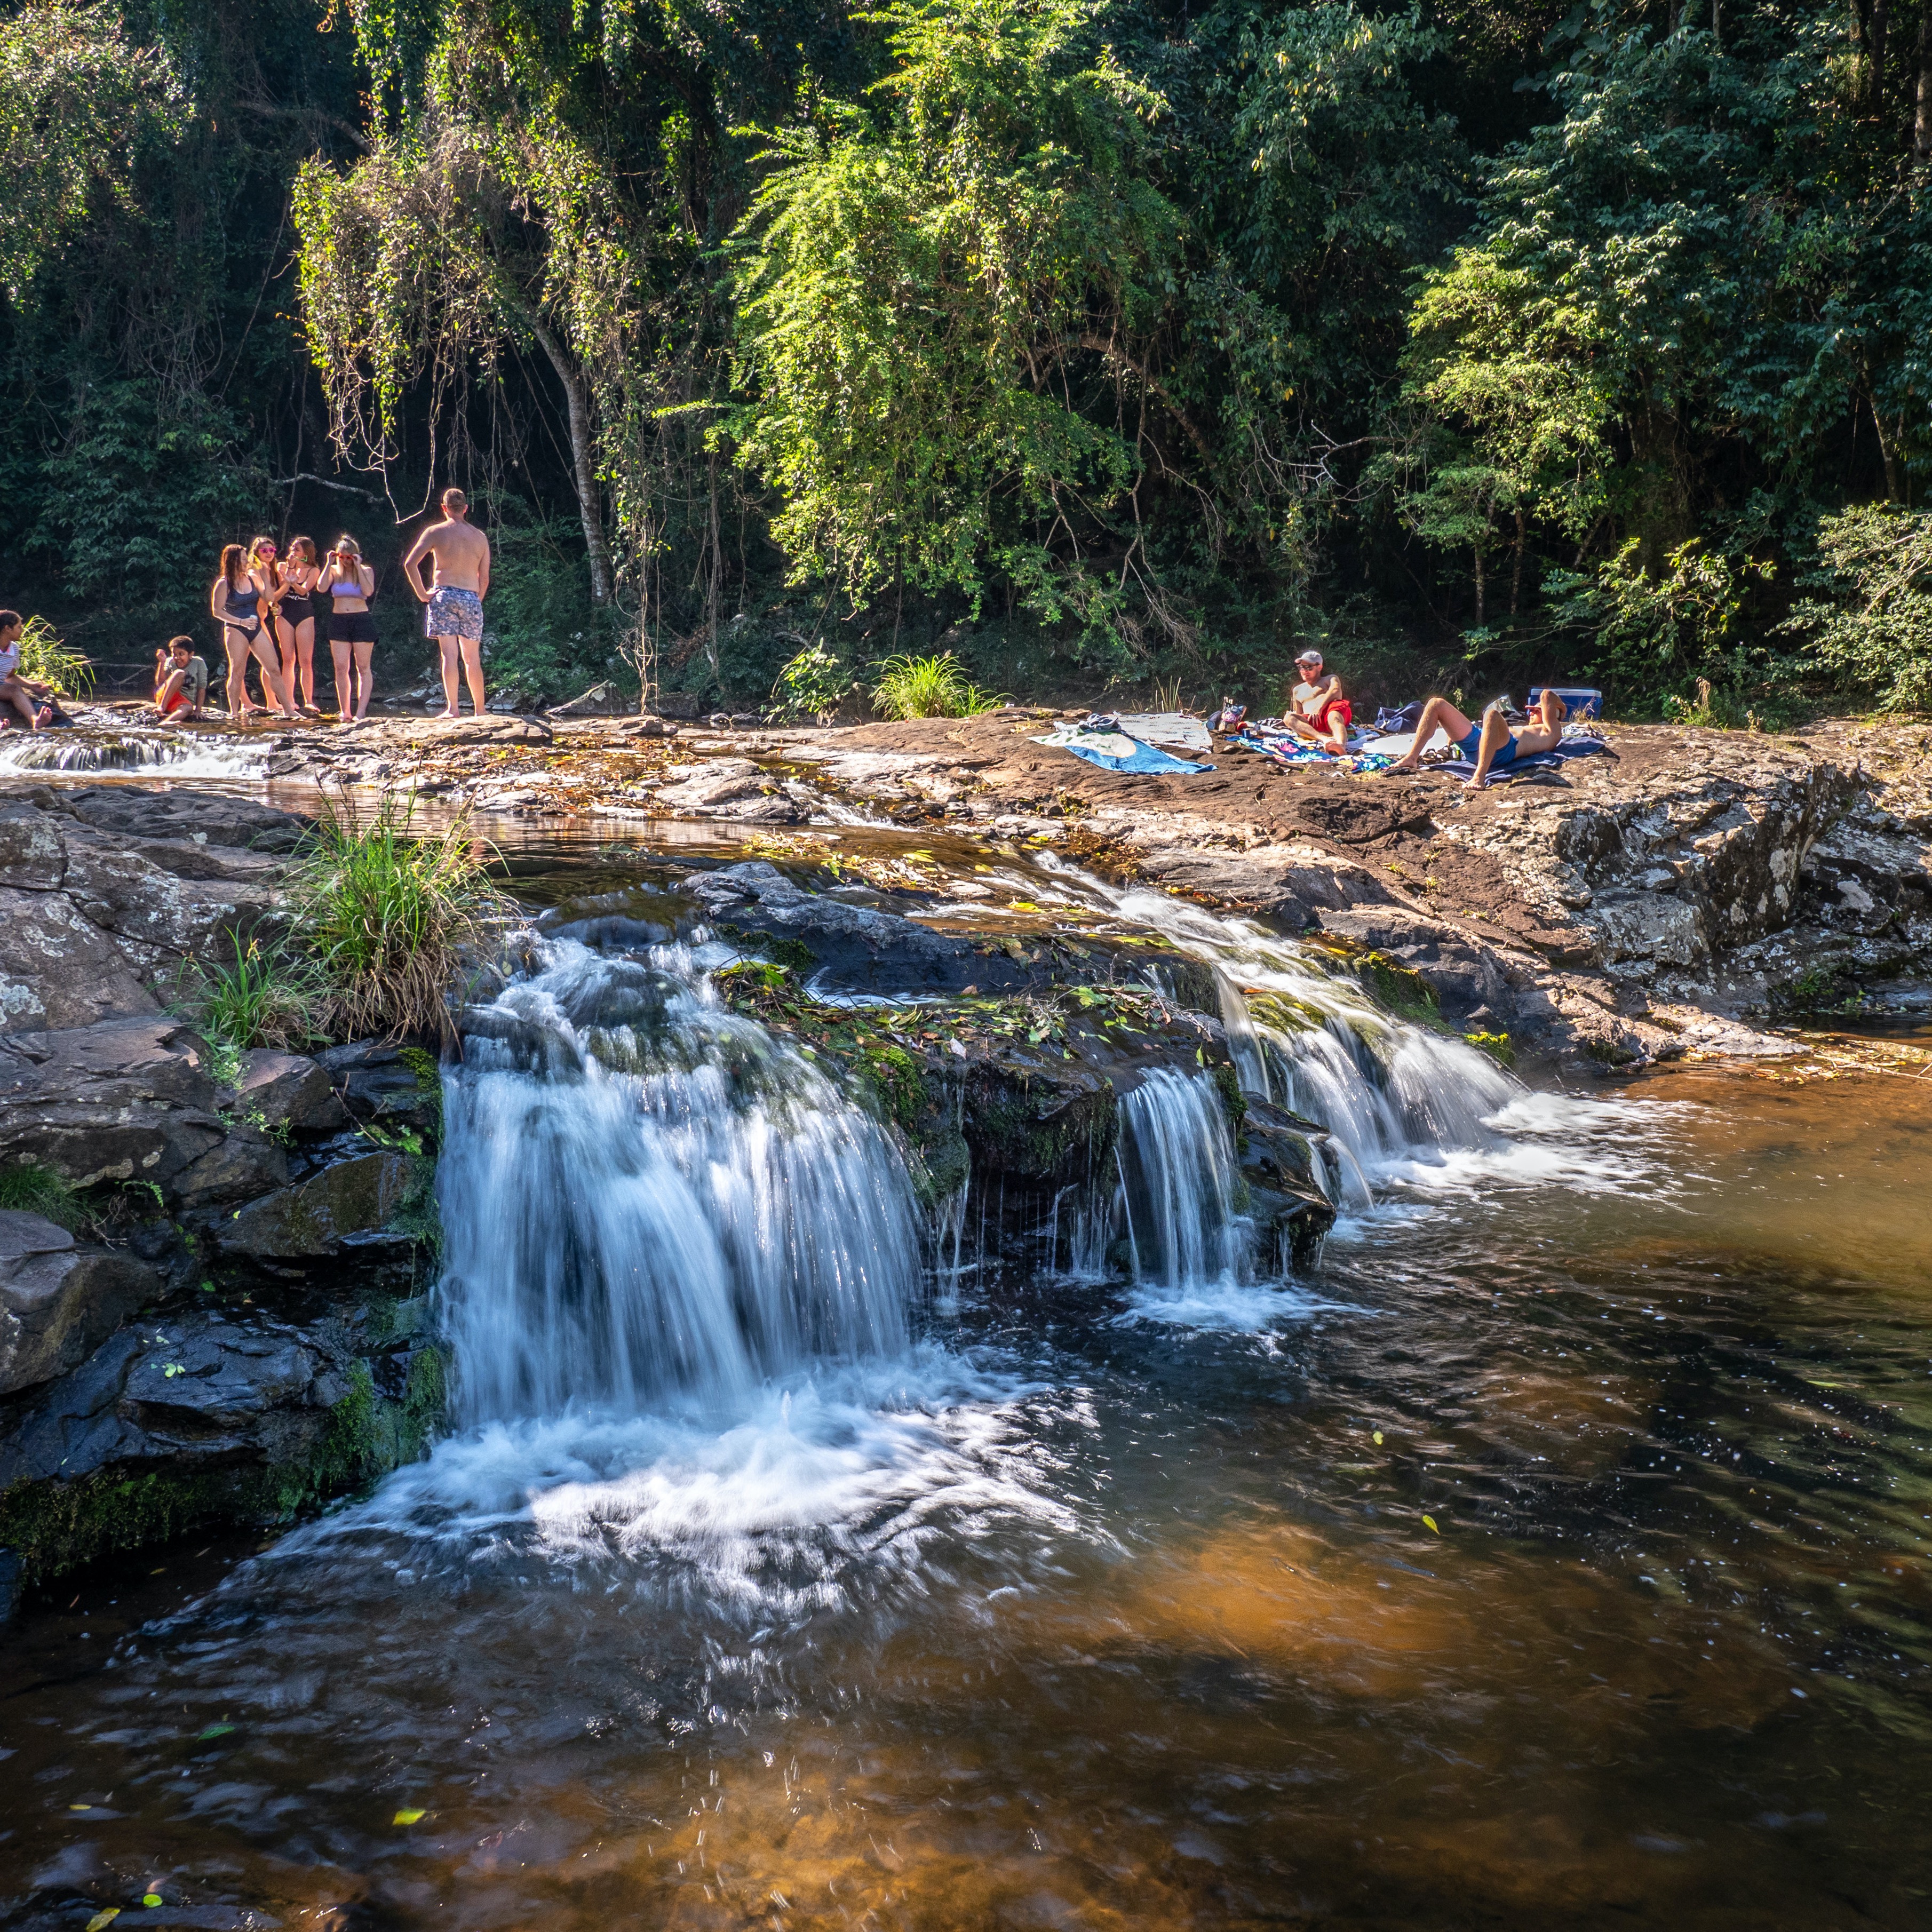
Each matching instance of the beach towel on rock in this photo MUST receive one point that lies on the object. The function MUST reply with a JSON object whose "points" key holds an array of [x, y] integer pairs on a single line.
{"points": [[1116, 750]]}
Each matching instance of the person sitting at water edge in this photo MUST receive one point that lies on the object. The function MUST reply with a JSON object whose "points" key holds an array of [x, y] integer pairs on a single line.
{"points": [[453, 605], [348, 583], [17, 693], [181, 680], [1316, 708], [1491, 746]]}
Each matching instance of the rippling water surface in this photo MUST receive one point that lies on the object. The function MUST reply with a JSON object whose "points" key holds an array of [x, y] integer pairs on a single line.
{"points": [[1555, 1553]]}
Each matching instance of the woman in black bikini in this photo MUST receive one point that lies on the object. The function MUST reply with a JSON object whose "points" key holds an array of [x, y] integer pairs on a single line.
{"points": [[350, 583], [236, 601], [294, 622]]}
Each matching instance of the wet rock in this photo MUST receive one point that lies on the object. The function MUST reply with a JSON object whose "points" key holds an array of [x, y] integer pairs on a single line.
{"points": [[123, 1099], [58, 1300], [237, 1167], [350, 1204], [853, 947], [1286, 1198], [288, 1090], [174, 1423], [393, 1086]]}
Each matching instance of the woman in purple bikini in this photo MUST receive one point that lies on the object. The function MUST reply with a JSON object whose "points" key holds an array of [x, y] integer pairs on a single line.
{"points": [[1490, 745]]}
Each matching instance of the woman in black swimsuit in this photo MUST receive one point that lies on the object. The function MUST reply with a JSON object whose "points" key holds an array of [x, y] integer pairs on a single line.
{"points": [[236, 601], [296, 622]]}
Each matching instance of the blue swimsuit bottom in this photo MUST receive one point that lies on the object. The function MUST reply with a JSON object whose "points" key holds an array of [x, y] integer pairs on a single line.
{"points": [[1469, 746]]}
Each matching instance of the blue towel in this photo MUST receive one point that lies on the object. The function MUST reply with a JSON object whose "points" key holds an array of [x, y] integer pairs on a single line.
{"points": [[1145, 758]]}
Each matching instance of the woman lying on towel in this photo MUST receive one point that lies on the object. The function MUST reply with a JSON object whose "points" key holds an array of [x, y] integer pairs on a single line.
{"points": [[1491, 746]]}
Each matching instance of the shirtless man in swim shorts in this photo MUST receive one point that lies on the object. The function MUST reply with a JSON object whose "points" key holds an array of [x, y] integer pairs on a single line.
{"points": [[1491, 744], [1317, 710], [454, 601]]}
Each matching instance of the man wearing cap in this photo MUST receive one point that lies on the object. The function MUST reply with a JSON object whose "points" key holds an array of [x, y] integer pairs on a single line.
{"points": [[1317, 709]]}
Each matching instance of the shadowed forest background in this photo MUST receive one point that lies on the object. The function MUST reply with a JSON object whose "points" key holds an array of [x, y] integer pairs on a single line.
{"points": [[1130, 344]]}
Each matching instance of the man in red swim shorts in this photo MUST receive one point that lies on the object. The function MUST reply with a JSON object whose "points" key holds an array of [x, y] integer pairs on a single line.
{"points": [[1317, 708]]}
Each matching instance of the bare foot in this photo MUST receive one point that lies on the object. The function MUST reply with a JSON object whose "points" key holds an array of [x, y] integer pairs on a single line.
{"points": [[445, 717]]}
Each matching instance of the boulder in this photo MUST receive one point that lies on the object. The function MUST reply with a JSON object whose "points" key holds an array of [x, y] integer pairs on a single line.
{"points": [[57, 969], [173, 1424], [33, 857], [59, 1300], [196, 819], [349, 1203], [237, 1167], [162, 914], [278, 1091], [123, 1099]]}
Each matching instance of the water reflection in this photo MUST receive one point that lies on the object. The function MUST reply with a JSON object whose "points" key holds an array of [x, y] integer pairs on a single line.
{"points": [[1556, 1554]]}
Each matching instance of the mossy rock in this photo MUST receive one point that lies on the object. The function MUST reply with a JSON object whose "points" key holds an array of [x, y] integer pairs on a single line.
{"points": [[290, 1458]]}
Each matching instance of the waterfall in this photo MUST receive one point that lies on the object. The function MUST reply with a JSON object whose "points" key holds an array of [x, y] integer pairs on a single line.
{"points": [[1311, 1038], [1177, 1181], [180, 757], [649, 1197]]}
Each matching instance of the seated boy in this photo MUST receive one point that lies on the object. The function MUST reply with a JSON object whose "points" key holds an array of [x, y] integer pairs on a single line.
{"points": [[1491, 744], [1317, 708], [181, 680]]}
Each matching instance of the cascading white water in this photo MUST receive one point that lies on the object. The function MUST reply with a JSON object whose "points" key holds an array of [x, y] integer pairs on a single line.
{"points": [[184, 758], [647, 1197], [1314, 1041], [1177, 1176]]}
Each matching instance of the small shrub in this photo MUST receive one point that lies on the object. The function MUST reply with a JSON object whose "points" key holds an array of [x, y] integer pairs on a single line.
{"points": [[1877, 562], [46, 660], [387, 916], [813, 684], [928, 687], [28, 1189]]}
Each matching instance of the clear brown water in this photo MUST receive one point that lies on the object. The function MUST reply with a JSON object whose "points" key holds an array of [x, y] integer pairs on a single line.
{"points": [[1144, 1624]]}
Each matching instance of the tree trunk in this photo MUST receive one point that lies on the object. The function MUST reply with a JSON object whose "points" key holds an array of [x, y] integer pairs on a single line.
{"points": [[1888, 450], [1875, 63], [1516, 563], [715, 585], [582, 457], [1475, 550], [1921, 120]]}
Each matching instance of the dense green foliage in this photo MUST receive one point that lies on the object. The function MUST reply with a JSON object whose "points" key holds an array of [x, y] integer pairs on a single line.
{"points": [[1083, 339]]}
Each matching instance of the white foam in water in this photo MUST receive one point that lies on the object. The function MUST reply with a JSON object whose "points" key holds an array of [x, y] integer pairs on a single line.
{"points": [[184, 757], [766, 1504]]}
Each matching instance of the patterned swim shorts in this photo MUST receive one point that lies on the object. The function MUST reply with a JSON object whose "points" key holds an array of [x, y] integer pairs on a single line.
{"points": [[451, 612]]}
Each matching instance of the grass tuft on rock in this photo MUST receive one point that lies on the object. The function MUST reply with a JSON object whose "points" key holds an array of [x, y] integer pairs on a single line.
{"points": [[28, 1188], [387, 916], [270, 996], [928, 687]]}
